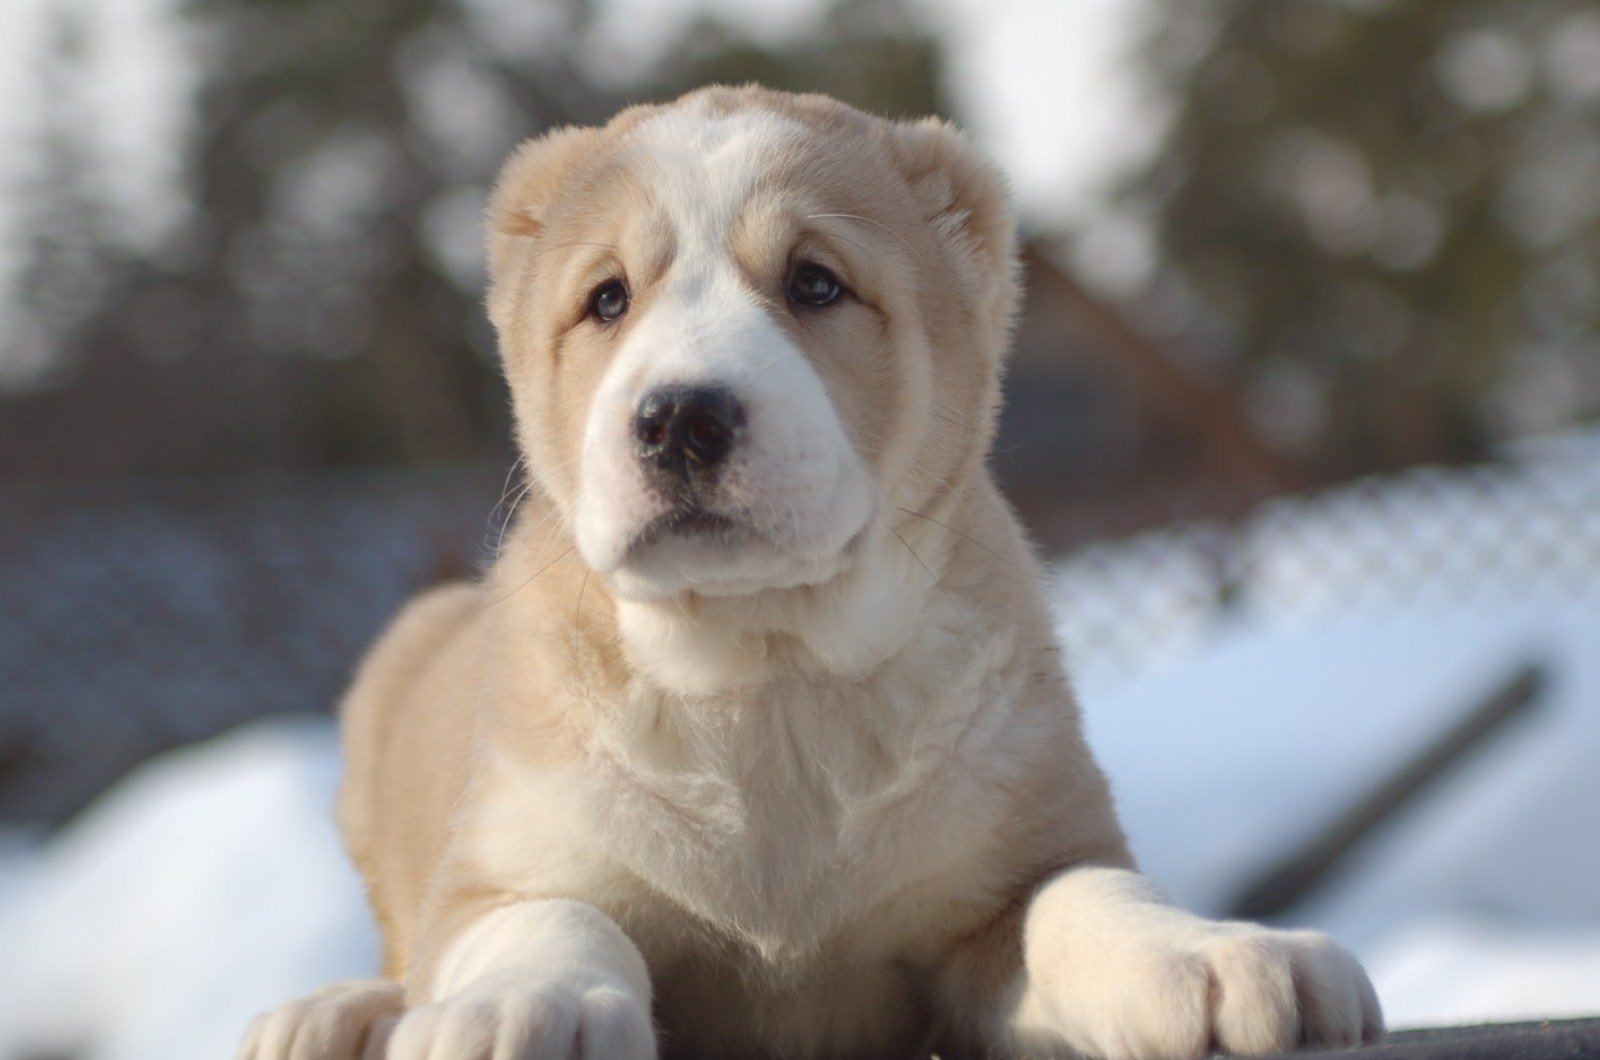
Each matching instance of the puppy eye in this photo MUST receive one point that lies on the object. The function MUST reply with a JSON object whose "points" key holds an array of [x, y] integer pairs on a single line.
{"points": [[608, 301], [811, 284]]}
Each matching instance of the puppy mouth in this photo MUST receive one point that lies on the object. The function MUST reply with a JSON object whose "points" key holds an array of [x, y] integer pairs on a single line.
{"points": [[689, 520]]}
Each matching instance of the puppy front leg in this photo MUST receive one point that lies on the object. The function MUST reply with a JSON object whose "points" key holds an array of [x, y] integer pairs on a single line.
{"points": [[1113, 970], [549, 979]]}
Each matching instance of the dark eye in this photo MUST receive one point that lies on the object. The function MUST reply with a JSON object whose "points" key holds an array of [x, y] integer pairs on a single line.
{"points": [[608, 301], [811, 284]]}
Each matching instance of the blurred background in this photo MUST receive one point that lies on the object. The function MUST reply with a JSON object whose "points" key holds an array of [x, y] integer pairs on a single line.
{"points": [[1304, 411]]}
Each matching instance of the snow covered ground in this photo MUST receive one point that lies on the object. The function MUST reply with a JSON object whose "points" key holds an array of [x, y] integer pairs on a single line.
{"points": [[202, 887], [1479, 902], [210, 884]]}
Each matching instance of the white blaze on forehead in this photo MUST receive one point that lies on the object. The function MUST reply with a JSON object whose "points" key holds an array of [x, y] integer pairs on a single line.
{"points": [[702, 168]]}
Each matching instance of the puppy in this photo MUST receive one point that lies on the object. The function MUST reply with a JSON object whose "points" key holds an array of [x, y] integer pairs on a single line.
{"points": [[755, 740]]}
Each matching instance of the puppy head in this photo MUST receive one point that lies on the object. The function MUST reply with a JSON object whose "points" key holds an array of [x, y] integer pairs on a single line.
{"points": [[744, 329]]}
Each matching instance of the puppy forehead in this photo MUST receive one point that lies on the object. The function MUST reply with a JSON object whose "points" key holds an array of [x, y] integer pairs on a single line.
{"points": [[700, 166]]}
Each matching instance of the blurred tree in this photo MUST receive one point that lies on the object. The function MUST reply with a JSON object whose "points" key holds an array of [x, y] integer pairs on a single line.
{"points": [[68, 259], [322, 301], [344, 150], [1391, 209], [874, 54]]}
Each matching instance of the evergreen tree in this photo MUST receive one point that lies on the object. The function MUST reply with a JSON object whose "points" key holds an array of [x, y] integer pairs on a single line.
{"points": [[345, 147], [874, 54], [1393, 204], [68, 260], [322, 300]]}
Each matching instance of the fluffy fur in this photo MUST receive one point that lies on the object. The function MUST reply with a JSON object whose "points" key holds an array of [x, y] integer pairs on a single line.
{"points": [[815, 787]]}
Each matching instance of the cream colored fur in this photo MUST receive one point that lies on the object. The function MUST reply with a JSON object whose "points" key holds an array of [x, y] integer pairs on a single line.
{"points": [[816, 790]]}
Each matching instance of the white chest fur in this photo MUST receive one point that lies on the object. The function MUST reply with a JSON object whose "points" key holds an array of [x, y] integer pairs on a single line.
{"points": [[778, 810]]}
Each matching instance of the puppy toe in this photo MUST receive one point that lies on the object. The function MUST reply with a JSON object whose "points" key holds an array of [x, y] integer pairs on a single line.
{"points": [[1256, 1006], [1337, 1004], [1174, 1019]]}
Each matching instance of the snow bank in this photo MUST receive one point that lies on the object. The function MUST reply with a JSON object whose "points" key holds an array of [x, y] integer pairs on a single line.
{"points": [[1460, 971], [205, 888], [1363, 624], [1226, 762]]}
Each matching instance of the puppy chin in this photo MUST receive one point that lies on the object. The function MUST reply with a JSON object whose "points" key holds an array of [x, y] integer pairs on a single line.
{"points": [[625, 536], [737, 564], [738, 559]]}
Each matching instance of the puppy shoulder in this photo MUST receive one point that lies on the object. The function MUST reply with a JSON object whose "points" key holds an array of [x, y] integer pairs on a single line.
{"points": [[411, 642], [382, 706]]}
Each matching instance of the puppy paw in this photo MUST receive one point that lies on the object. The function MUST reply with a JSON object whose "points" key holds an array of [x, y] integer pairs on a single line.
{"points": [[1237, 988], [512, 1017], [346, 1021]]}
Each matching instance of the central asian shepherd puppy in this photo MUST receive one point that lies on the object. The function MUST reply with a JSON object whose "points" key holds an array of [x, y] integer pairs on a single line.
{"points": [[755, 740]]}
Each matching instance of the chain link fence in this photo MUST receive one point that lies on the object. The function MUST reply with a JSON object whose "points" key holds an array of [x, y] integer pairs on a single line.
{"points": [[1521, 532], [138, 616], [141, 615]]}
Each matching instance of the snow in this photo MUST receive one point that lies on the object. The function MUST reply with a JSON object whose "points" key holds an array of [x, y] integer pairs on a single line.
{"points": [[1465, 970], [210, 885], [1270, 705], [1364, 623], [206, 887], [1223, 763]]}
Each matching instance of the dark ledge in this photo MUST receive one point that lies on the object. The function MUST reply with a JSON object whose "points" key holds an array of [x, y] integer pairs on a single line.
{"points": [[1543, 1040]]}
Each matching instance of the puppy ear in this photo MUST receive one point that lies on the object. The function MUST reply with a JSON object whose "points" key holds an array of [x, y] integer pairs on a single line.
{"points": [[527, 185], [969, 204]]}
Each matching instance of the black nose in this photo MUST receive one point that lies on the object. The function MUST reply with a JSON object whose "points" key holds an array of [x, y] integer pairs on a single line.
{"points": [[686, 428]]}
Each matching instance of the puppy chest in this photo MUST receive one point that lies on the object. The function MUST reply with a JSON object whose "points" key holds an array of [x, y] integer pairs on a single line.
{"points": [[782, 842]]}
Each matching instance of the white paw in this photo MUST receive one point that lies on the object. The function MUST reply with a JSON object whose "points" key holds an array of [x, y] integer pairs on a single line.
{"points": [[512, 1017], [1237, 988], [346, 1021]]}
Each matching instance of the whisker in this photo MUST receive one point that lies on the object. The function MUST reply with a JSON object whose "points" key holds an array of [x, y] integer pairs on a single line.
{"points": [[947, 417], [505, 487], [853, 242], [565, 553], [586, 243], [914, 555], [511, 513], [867, 220], [577, 612], [946, 410], [506, 490], [958, 533]]}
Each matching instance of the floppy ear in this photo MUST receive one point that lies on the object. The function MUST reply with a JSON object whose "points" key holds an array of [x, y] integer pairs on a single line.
{"points": [[969, 204], [522, 195]]}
